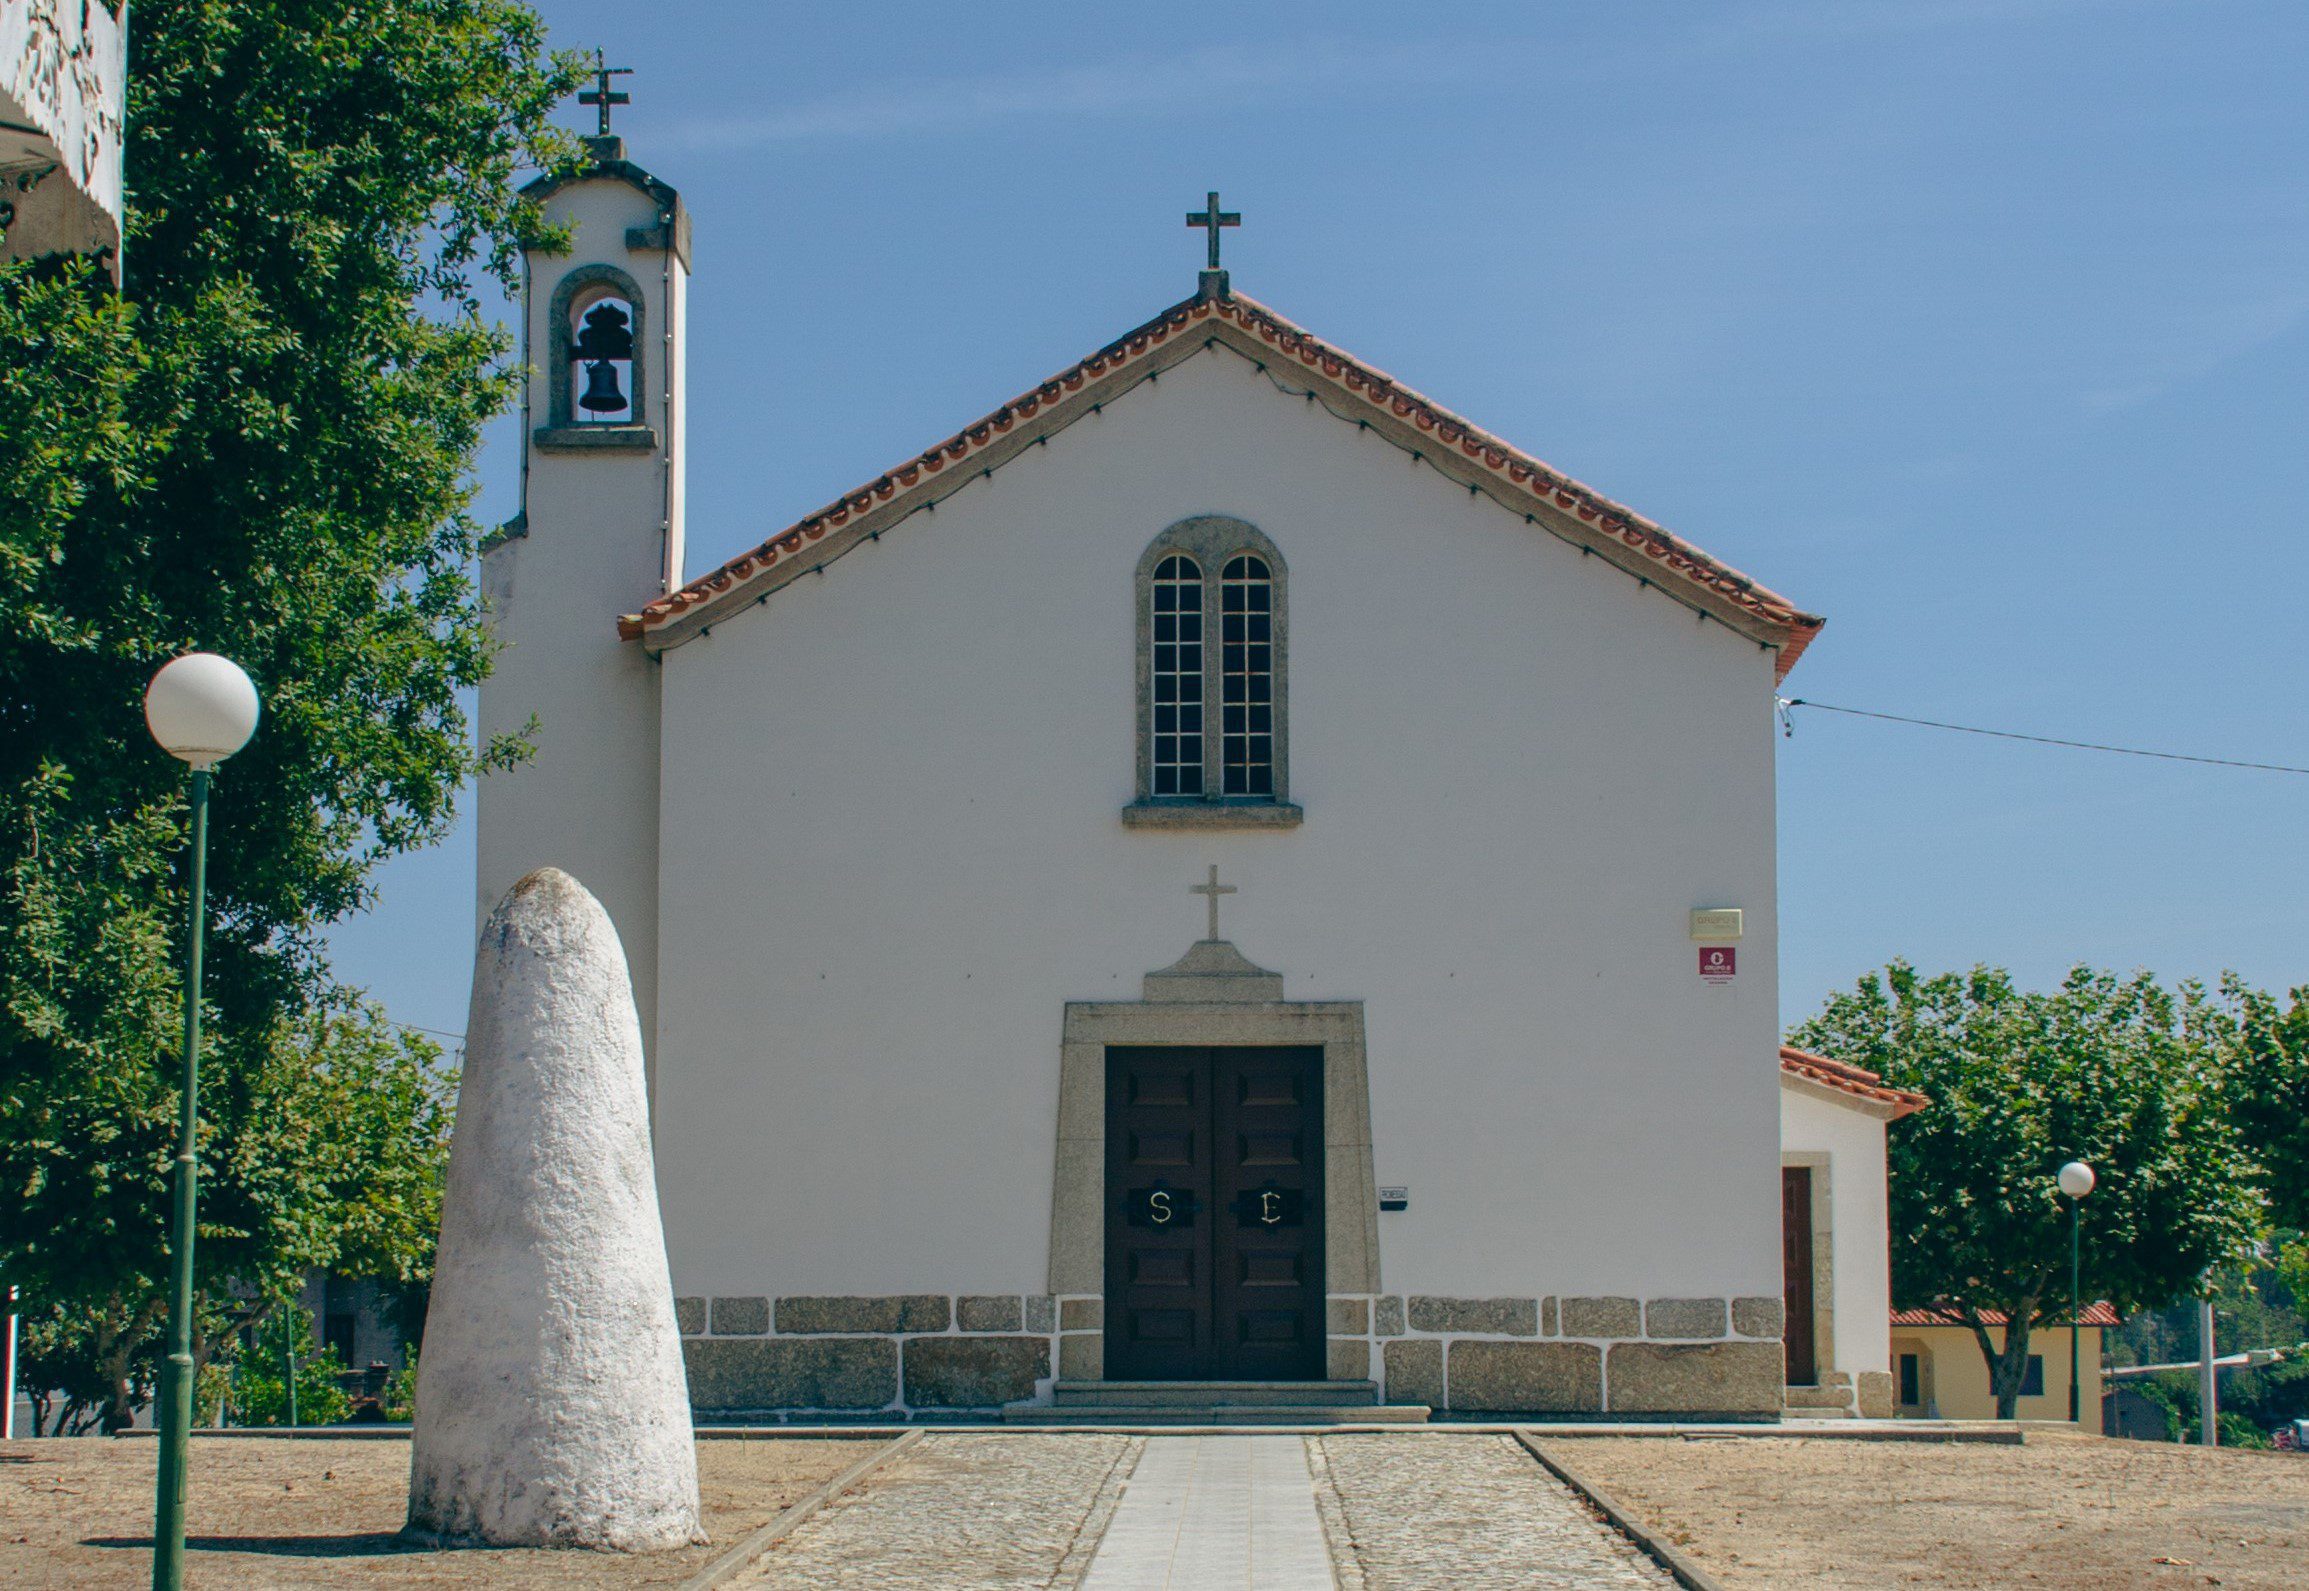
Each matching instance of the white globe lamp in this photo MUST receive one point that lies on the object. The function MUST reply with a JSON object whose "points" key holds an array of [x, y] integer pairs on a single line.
{"points": [[201, 708], [2076, 1180]]}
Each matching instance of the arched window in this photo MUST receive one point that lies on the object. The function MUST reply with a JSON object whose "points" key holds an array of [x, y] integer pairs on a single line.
{"points": [[1212, 748], [1177, 671], [596, 368], [1247, 678]]}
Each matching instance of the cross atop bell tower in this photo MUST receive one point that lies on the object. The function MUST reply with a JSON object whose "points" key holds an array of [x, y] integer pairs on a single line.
{"points": [[601, 93]]}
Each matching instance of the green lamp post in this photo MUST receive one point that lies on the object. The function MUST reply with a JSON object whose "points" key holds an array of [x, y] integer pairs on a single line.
{"points": [[201, 709], [2076, 1180]]}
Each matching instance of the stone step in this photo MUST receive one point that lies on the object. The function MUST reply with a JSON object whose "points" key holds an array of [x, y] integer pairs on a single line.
{"points": [[1214, 1414], [1821, 1414], [1817, 1398], [1214, 1394]]}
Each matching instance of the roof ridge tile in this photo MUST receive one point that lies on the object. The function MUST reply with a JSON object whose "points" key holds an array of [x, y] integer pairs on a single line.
{"points": [[1360, 380]]}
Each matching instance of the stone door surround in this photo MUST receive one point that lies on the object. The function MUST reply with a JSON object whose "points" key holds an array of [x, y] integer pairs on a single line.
{"points": [[1211, 997]]}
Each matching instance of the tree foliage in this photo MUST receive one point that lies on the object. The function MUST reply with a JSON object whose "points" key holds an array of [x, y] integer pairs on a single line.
{"points": [[2269, 1090], [260, 1382], [2118, 1072], [259, 446], [2255, 1305]]}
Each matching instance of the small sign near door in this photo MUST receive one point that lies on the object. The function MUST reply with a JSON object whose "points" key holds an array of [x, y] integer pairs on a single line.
{"points": [[1719, 963]]}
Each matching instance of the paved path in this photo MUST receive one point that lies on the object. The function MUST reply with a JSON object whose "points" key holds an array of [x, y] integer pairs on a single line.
{"points": [[1469, 1512], [1216, 1513], [960, 1511], [977, 1511]]}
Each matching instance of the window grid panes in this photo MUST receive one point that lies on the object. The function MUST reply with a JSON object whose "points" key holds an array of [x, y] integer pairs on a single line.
{"points": [[1177, 677], [1247, 678]]}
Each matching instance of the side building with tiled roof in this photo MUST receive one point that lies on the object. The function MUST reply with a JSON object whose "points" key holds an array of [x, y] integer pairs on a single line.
{"points": [[1439, 1091], [1938, 1372], [1835, 1234]]}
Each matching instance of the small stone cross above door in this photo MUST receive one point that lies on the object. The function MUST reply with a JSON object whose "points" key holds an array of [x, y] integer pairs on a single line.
{"points": [[1212, 891]]}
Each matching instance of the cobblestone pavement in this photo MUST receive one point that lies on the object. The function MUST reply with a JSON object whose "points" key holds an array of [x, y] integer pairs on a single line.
{"points": [[962, 1511], [1466, 1512]]}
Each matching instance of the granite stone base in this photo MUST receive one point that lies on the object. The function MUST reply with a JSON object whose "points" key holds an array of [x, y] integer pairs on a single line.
{"points": [[1730, 1378], [752, 1374], [1511, 1377], [898, 1356], [932, 1355], [1574, 1356], [973, 1372]]}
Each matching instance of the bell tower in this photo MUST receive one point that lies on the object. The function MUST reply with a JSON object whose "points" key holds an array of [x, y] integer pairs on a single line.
{"points": [[599, 533]]}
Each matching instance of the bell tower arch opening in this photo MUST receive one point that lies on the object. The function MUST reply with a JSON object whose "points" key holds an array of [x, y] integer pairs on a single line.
{"points": [[596, 366]]}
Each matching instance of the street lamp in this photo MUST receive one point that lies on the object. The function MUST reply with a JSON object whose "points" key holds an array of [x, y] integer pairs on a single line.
{"points": [[201, 709], [2076, 1180]]}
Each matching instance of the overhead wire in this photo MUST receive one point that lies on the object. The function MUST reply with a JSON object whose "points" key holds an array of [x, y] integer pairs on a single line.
{"points": [[1788, 704]]}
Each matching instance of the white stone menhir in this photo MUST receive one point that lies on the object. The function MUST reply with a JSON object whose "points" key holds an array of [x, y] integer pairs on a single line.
{"points": [[552, 1409]]}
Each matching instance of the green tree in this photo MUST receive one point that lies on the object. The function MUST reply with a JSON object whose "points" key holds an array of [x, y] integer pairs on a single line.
{"points": [[58, 1368], [2118, 1072], [2255, 1306], [260, 446], [2269, 1091], [341, 1138], [260, 1382]]}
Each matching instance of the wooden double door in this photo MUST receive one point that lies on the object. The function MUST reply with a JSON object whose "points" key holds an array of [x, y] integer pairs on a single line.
{"points": [[1214, 1228]]}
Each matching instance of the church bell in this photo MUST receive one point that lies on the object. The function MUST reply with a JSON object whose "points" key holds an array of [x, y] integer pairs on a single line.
{"points": [[603, 341], [602, 393]]}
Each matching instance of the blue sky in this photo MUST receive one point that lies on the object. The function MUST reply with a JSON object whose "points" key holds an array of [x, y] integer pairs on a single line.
{"points": [[1979, 326]]}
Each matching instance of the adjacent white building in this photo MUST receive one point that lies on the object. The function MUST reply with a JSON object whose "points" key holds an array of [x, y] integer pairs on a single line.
{"points": [[1835, 1234], [63, 86], [1437, 1092]]}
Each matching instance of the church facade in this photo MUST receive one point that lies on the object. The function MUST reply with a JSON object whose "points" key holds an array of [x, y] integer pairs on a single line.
{"points": [[1219, 884]]}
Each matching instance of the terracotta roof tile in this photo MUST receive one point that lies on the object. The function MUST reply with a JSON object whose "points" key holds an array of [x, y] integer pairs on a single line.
{"points": [[1849, 1079], [2096, 1314], [1358, 382]]}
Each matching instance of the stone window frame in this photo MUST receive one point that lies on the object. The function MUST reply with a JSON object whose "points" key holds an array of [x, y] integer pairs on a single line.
{"points": [[561, 428], [1078, 1212], [1211, 540], [1821, 1163]]}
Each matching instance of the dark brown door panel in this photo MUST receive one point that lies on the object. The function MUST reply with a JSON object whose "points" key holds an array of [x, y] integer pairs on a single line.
{"points": [[1214, 1251]]}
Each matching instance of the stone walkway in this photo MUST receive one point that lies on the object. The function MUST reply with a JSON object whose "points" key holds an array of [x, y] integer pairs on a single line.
{"points": [[963, 1511], [1216, 1513], [1470, 1512], [1106, 1512]]}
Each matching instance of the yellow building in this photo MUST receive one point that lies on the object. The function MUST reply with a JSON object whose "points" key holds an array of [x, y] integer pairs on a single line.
{"points": [[1938, 1372]]}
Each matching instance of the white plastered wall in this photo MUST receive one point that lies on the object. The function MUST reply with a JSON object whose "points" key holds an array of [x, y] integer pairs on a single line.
{"points": [[600, 535], [891, 852], [1842, 1139]]}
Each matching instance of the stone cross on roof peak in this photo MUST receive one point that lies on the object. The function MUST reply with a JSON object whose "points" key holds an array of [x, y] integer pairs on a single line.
{"points": [[1213, 281], [1212, 891], [601, 93]]}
